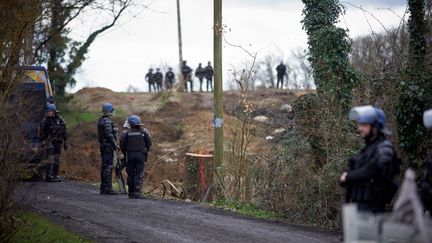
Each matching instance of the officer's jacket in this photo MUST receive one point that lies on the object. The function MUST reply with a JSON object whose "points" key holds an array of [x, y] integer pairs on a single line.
{"points": [[186, 70], [158, 77], [199, 72], [135, 140], [281, 69], [169, 76], [107, 131], [53, 129], [426, 186], [208, 70], [371, 174], [149, 77]]}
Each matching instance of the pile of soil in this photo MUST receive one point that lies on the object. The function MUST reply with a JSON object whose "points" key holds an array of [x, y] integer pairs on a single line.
{"points": [[177, 125]]}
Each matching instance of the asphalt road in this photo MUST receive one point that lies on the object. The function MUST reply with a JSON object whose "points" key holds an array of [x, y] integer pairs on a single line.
{"points": [[81, 209]]}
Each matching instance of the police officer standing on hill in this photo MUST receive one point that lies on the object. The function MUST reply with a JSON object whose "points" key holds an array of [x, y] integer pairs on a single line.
{"points": [[107, 133], [187, 75], [158, 78], [208, 73], [149, 77], [169, 78], [53, 134], [281, 72], [370, 179], [135, 144], [199, 73]]}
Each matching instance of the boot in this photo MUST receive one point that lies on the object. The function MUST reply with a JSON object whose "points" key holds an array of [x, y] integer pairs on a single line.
{"points": [[49, 173], [52, 179], [108, 191], [136, 195]]}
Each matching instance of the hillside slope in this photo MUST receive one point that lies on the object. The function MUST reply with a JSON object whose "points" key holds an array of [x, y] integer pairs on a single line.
{"points": [[177, 125]]}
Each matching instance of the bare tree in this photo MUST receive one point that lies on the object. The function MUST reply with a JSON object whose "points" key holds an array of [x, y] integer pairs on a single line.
{"points": [[15, 18]]}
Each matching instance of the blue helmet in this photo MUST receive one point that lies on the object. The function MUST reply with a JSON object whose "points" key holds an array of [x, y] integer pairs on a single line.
{"points": [[370, 115], [134, 120], [51, 107], [427, 118], [107, 108]]}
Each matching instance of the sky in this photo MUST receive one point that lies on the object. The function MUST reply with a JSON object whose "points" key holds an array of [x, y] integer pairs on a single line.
{"points": [[147, 36]]}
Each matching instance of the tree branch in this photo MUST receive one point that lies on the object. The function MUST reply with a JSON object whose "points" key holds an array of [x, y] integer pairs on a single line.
{"points": [[79, 56]]}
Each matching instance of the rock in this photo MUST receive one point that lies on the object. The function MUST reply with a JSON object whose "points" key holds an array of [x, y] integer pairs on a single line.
{"points": [[269, 138], [262, 119], [286, 108], [279, 131]]}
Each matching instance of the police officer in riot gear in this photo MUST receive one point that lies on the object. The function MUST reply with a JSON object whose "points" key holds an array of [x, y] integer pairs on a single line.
{"points": [[53, 134], [199, 73], [208, 73], [107, 134], [169, 78], [158, 78], [187, 75], [426, 181], [149, 77], [135, 144], [370, 179], [281, 72]]}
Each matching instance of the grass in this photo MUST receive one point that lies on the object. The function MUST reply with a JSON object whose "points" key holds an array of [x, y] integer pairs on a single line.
{"points": [[35, 228], [75, 117], [247, 209]]}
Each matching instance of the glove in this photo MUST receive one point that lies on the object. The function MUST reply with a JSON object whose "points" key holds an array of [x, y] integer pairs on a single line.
{"points": [[65, 146]]}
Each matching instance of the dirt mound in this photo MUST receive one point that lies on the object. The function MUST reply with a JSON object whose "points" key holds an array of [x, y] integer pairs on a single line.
{"points": [[177, 123]]}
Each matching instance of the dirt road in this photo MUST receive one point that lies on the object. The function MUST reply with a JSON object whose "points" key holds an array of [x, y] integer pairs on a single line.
{"points": [[81, 209]]}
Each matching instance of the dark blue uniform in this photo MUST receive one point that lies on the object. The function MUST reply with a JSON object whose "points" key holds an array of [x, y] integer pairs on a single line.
{"points": [[187, 75], [53, 133], [135, 144], [281, 72], [371, 182], [169, 79], [107, 133], [149, 77], [158, 78], [199, 73], [208, 73]]}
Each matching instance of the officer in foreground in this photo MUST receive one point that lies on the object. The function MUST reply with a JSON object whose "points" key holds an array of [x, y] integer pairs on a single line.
{"points": [[107, 133], [135, 144], [208, 73], [426, 181], [169, 78], [370, 179], [53, 134]]}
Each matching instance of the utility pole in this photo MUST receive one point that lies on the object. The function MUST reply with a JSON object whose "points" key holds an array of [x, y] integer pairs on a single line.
{"points": [[181, 78], [218, 95]]}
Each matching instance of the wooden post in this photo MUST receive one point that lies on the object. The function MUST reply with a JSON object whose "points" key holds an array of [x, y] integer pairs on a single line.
{"points": [[181, 78], [218, 90]]}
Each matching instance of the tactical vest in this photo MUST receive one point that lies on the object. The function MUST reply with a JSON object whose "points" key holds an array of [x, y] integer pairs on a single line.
{"points": [[135, 141]]}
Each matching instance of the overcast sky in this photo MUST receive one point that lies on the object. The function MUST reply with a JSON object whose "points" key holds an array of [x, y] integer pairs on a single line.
{"points": [[148, 37]]}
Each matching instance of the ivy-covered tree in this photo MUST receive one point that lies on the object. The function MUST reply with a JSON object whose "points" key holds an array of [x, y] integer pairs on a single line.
{"points": [[329, 47], [415, 89]]}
